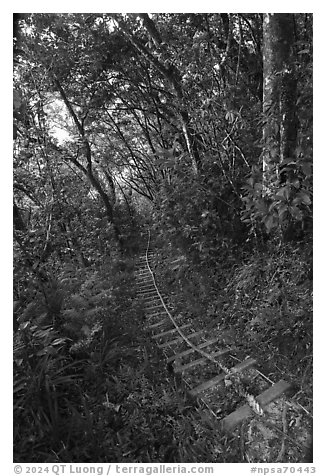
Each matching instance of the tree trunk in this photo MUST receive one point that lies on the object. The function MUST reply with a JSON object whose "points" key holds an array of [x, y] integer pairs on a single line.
{"points": [[280, 129], [110, 181], [89, 170]]}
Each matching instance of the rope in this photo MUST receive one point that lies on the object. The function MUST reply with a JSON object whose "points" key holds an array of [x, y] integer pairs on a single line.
{"points": [[230, 375]]}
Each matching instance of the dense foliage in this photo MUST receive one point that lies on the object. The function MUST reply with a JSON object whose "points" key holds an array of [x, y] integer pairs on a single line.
{"points": [[122, 121]]}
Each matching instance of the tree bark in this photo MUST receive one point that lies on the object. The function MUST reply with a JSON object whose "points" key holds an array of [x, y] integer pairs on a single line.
{"points": [[280, 129], [88, 171]]}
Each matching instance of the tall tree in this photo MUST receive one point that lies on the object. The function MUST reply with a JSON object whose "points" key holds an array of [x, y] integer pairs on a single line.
{"points": [[88, 170], [280, 129]]}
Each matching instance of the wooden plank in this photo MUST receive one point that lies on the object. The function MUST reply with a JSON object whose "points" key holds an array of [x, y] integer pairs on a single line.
{"points": [[151, 291], [202, 360], [153, 308], [179, 339], [151, 316], [152, 304], [190, 351], [158, 324], [246, 364], [170, 331], [244, 412], [155, 301]]}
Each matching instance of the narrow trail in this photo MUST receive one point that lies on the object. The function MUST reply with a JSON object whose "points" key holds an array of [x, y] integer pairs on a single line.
{"points": [[244, 401]]}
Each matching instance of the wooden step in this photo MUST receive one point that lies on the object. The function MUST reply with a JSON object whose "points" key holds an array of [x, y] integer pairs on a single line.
{"points": [[158, 324], [170, 331], [154, 307], [154, 297], [190, 351], [152, 302], [151, 316], [244, 412], [151, 298], [179, 339], [202, 360], [246, 364]]}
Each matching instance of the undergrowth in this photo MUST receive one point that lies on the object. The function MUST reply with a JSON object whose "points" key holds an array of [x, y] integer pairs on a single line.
{"points": [[261, 300], [89, 387]]}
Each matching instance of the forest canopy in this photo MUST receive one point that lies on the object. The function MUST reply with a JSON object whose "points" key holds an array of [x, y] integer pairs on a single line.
{"points": [[196, 125], [148, 103]]}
